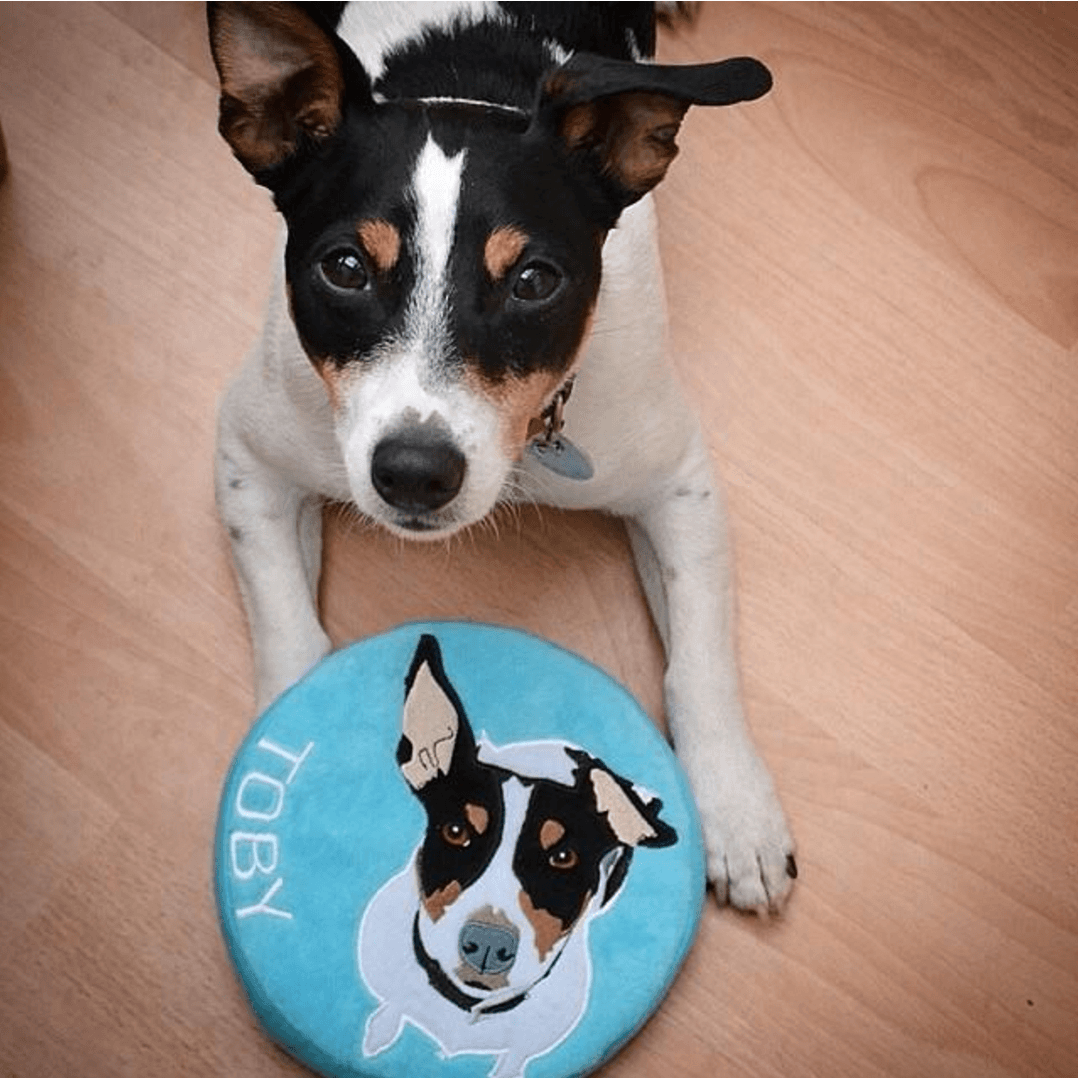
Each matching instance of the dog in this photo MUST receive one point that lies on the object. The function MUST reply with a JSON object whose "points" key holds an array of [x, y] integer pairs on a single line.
{"points": [[470, 236], [481, 940]]}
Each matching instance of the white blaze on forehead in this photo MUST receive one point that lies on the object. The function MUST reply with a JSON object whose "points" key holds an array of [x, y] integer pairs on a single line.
{"points": [[435, 194], [414, 376]]}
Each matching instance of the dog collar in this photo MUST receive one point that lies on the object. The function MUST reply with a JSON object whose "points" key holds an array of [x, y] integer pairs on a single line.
{"points": [[441, 983], [552, 449]]}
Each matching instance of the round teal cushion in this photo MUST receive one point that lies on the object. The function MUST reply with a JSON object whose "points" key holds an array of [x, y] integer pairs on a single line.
{"points": [[357, 973]]}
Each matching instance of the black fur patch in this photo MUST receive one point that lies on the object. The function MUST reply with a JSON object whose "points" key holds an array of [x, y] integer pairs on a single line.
{"points": [[604, 29], [563, 891], [446, 800]]}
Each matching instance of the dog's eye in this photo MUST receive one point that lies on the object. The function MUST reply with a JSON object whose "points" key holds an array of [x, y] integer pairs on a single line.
{"points": [[345, 269], [457, 834], [564, 859], [536, 281]]}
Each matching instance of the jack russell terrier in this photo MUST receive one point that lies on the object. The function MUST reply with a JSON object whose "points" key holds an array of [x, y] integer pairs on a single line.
{"points": [[469, 236], [481, 941]]}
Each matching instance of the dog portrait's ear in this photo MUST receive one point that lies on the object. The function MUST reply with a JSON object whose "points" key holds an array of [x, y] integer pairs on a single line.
{"points": [[281, 80], [634, 820], [433, 725], [625, 116]]}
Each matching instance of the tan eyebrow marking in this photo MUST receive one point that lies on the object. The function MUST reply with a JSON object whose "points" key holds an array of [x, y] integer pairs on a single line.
{"points": [[550, 834], [381, 241], [503, 247], [478, 817]]}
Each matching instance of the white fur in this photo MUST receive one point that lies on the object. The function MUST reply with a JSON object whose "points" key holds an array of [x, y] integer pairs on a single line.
{"points": [[280, 451], [435, 192]]}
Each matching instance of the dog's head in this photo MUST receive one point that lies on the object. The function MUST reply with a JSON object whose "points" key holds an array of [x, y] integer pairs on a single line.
{"points": [[443, 257], [523, 843]]}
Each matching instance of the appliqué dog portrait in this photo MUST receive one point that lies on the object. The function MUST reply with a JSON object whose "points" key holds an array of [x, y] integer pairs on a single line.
{"points": [[480, 940]]}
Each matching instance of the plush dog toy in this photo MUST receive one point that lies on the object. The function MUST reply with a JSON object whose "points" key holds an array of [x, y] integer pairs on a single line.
{"points": [[509, 871]]}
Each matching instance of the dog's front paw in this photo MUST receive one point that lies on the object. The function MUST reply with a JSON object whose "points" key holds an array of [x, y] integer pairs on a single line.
{"points": [[750, 852]]}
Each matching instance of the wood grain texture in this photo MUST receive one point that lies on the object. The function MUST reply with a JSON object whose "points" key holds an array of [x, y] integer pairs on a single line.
{"points": [[873, 281]]}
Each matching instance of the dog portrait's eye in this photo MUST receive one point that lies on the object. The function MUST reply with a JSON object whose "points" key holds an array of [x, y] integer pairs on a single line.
{"points": [[457, 834], [536, 281], [345, 269], [564, 859]]}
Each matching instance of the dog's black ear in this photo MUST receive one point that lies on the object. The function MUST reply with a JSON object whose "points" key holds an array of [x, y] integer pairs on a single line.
{"points": [[625, 116], [434, 729], [282, 80]]}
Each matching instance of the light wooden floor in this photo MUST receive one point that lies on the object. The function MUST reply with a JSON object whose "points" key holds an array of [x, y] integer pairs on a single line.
{"points": [[873, 277]]}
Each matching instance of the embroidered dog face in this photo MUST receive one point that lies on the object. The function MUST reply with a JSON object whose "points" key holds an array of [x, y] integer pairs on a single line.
{"points": [[522, 844], [444, 255]]}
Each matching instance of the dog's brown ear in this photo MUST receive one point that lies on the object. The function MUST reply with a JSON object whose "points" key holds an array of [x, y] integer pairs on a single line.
{"points": [[625, 116], [281, 80]]}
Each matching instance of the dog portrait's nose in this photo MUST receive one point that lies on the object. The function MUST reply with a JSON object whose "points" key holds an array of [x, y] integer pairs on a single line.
{"points": [[488, 948], [417, 470]]}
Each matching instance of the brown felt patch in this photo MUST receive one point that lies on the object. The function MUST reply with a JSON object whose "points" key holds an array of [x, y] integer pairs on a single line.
{"points": [[548, 928], [437, 902], [381, 241], [503, 247], [478, 817], [625, 819], [550, 834], [430, 724]]}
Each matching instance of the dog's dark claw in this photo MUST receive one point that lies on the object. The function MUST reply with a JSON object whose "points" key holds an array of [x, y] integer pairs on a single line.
{"points": [[791, 866]]}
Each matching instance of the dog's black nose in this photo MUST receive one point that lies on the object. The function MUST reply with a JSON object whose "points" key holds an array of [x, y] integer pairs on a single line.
{"points": [[417, 470]]}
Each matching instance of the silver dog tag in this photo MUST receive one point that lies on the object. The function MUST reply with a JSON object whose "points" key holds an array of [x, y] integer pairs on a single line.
{"points": [[560, 456]]}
